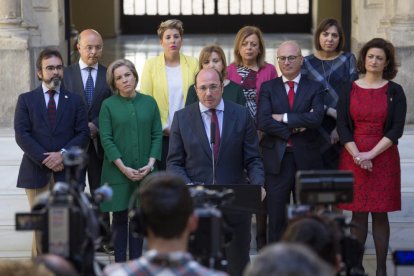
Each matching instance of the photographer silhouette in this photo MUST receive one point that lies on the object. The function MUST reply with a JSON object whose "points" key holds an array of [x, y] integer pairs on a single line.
{"points": [[166, 216]]}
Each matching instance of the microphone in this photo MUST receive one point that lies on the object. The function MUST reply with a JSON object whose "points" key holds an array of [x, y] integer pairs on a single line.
{"points": [[102, 194], [212, 133], [60, 188]]}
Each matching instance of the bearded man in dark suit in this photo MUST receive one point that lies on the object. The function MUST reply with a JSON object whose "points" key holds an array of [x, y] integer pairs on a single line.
{"points": [[48, 120]]}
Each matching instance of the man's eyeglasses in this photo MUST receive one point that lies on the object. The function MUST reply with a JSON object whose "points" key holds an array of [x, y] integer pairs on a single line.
{"points": [[213, 88], [283, 59], [51, 68]]}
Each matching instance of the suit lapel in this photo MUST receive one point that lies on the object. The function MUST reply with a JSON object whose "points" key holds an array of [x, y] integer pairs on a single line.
{"points": [[281, 95], [184, 74], [100, 80], [196, 123], [40, 102], [162, 77], [63, 98], [78, 83], [300, 93], [227, 129]]}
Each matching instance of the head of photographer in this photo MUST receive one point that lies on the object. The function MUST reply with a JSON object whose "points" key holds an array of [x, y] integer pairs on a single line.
{"points": [[166, 217]]}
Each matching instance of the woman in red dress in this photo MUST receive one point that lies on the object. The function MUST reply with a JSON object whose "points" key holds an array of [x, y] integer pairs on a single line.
{"points": [[371, 116]]}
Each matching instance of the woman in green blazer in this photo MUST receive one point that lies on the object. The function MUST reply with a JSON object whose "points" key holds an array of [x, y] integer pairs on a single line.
{"points": [[131, 136]]}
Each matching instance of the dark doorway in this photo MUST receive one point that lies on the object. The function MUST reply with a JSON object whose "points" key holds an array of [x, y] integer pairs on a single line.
{"points": [[217, 16]]}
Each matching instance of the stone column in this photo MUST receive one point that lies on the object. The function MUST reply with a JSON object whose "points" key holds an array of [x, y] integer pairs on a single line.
{"points": [[399, 29], [14, 59]]}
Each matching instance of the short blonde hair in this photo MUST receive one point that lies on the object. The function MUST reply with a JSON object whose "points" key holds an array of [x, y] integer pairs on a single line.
{"points": [[206, 53], [170, 24], [111, 69], [242, 34]]}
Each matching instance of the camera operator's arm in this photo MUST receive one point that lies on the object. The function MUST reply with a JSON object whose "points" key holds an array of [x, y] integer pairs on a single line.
{"points": [[131, 173]]}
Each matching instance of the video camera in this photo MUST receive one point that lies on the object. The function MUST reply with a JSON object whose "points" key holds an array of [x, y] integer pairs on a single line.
{"points": [[67, 218], [207, 242], [316, 191]]}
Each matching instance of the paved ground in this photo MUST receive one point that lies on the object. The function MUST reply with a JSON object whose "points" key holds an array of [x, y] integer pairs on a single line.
{"points": [[16, 245]]}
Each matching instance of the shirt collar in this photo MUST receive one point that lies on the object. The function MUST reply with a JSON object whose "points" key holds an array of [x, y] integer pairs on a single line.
{"points": [[219, 107], [168, 259], [45, 89], [83, 65], [295, 80]]}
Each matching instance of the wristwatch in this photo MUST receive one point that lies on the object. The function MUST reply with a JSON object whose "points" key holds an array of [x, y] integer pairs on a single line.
{"points": [[62, 151]]}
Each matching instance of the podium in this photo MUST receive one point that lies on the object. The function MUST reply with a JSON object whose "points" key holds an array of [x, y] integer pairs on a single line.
{"points": [[247, 197]]}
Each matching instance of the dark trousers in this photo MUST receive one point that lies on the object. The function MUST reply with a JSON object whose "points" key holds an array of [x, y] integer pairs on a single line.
{"points": [[330, 157], [238, 251], [278, 190], [123, 237], [162, 164], [261, 225], [94, 169]]}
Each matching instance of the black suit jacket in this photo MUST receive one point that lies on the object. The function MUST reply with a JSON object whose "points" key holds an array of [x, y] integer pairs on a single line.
{"points": [[189, 152], [35, 136], [273, 100], [72, 80]]}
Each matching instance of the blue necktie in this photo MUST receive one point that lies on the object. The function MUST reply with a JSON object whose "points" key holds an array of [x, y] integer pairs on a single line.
{"points": [[89, 87]]}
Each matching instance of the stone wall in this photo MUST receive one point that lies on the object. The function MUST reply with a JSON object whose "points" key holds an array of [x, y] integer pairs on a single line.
{"points": [[26, 27], [392, 20]]}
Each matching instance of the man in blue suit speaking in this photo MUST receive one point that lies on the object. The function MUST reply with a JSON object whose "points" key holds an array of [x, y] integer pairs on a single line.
{"points": [[235, 152], [48, 120]]}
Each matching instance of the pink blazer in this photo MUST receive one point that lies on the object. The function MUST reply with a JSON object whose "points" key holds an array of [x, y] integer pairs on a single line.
{"points": [[265, 73]]}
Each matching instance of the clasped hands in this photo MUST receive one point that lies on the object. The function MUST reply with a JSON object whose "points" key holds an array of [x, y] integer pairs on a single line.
{"points": [[53, 161], [363, 159], [136, 175]]}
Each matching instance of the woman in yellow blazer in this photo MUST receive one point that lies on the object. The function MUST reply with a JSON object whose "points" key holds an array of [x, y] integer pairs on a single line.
{"points": [[168, 76]]}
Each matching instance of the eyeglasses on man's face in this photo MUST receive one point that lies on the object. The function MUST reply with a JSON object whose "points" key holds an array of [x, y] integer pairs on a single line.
{"points": [[51, 68], [282, 59], [213, 88]]}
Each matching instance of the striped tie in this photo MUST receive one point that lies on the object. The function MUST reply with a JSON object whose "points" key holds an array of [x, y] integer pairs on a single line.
{"points": [[51, 108]]}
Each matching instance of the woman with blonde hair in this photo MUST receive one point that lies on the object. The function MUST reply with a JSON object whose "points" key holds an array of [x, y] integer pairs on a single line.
{"points": [[168, 76], [212, 56], [131, 137], [249, 68]]}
